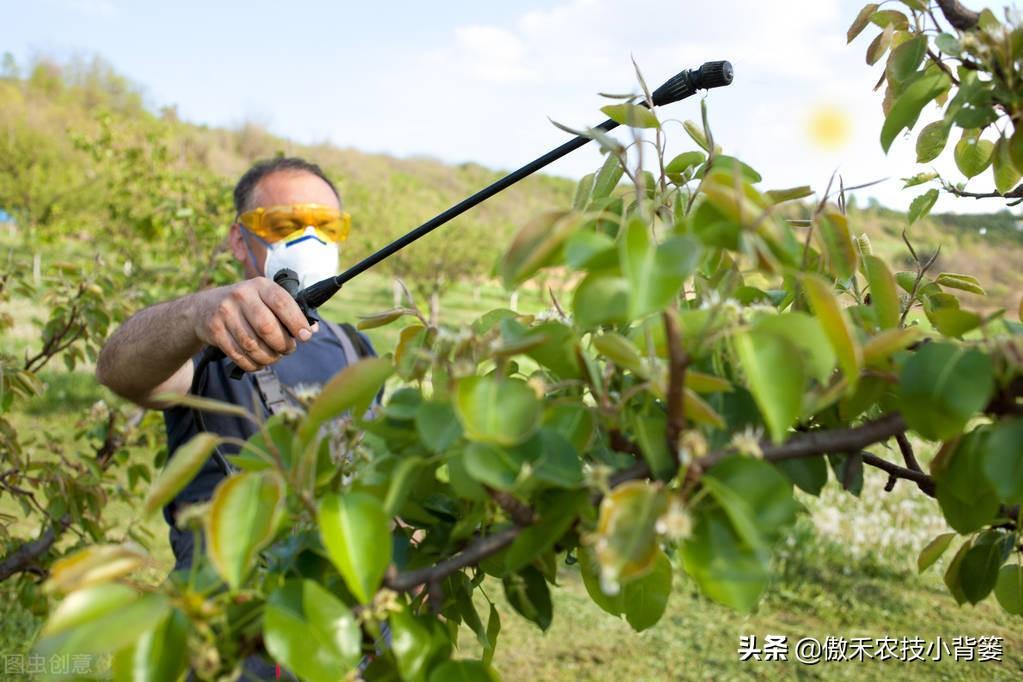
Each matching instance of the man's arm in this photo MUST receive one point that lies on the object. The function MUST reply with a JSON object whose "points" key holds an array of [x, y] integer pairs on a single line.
{"points": [[254, 322]]}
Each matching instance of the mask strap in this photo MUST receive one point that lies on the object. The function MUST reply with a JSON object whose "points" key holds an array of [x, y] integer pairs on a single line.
{"points": [[248, 247]]}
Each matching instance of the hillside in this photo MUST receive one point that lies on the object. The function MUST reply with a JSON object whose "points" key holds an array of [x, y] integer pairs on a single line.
{"points": [[82, 155]]}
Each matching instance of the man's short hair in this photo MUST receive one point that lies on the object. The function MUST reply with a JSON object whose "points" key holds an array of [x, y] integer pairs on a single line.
{"points": [[247, 184]]}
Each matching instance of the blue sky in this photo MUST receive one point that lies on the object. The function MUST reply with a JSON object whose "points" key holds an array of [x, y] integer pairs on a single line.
{"points": [[477, 81]]}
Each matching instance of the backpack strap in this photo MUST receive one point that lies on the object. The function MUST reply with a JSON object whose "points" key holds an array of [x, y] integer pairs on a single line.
{"points": [[270, 390], [351, 340], [352, 343]]}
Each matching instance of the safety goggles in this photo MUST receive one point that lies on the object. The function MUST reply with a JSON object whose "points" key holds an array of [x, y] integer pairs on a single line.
{"points": [[277, 222]]}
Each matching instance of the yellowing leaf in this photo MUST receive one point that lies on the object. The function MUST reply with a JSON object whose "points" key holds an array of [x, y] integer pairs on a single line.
{"points": [[883, 296], [244, 513], [95, 564], [632, 115], [882, 346], [706, 383], [837, 326]]}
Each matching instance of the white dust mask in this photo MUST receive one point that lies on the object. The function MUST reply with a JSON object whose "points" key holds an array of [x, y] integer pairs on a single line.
{"points": [[307, 252]]}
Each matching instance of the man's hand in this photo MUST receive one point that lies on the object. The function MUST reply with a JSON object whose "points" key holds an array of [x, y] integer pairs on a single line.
{"points": [[254, 322]]}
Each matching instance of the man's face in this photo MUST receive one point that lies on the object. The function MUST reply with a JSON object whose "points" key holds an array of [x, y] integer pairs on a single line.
{"points": [[278, 189]]}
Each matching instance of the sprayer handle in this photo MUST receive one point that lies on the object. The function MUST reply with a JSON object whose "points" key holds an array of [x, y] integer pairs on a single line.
{"points": [[286, 279]]}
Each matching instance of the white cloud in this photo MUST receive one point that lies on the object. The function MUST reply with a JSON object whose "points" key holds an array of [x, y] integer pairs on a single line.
{"points": [[494, 54]]}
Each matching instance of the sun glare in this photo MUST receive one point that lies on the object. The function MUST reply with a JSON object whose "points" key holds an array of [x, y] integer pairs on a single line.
{"points": [[829, 127]]}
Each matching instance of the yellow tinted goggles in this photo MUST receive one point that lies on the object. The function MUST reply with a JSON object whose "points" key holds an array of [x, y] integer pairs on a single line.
{"points": [[277, 222]]}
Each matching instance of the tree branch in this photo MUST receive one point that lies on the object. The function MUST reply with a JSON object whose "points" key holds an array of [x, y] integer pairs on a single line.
{"points": [[923, 481], [907, 451], [821, 442], [678, 360], [24, 558], [960, 17], [471, 555]]}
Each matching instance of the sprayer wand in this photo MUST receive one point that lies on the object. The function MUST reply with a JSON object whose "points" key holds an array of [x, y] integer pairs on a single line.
{"points": [[678, 87]]}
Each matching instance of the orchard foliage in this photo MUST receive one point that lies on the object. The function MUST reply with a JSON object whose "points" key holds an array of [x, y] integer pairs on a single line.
{"points": [[970, 64], [707, 357]]}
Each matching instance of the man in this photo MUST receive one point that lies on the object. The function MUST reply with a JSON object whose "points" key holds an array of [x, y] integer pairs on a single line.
{"points": [[288, 214]]}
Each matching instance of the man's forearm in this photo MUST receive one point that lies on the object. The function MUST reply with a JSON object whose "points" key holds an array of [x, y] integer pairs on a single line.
{"points": [[150, 347]]}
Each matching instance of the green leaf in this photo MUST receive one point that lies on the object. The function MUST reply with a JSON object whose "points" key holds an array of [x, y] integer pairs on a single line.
{"points": [[778, 196], [352, 388], [679, 166], [309, 631], [182, 468], [204, 404], [942, 386], [735, 167], [810, 474], [100, 619], [622, 352], [497, 410], [696, 133], [646, 598], [776, 377], [156, 656], [755, 496], [968, 283], [655, 272], [933, 551], [493, 465], [558, 464], [905, 59], [400, 482], [582, 192], [1009, 589], [632, 115], [1003, 460], [462, 671], [922, 205], [861, 21], [931, 141], [437, 425], [356, 532], [589, 568], [833, 233], [978, 571], [890, 17], [556, 513], [806, 334], [973, 155], [907, 107], [951, 577], [383, 318], [607, 177], [949, 44], [417, 644], [967, 499], [536, 245], [648, 428], [883, 296], [626, 544], [1016, 147], [589, 250], [836, 324], [573, 421], [726, 569], [1006, 174], [245, 510], [601, 299], [528, 594]]}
